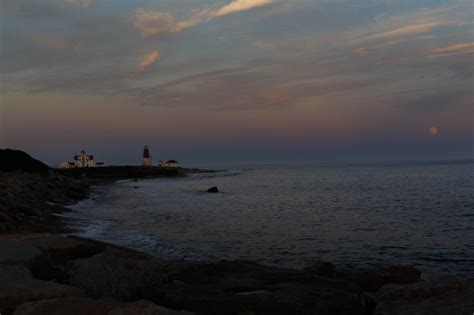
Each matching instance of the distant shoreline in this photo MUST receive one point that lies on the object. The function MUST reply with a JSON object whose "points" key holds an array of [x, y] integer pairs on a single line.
{"points": [[129, 172]]}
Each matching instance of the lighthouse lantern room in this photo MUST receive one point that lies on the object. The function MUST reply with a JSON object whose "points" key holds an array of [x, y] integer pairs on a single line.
{"points": [[146, 156]]}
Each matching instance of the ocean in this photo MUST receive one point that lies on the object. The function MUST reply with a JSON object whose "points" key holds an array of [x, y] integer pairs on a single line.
{"points": [[355, 216]]}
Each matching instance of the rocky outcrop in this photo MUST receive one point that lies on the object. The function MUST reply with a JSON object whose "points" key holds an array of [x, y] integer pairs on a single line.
{"points": [[373, 279], [15, 253], [111, 273], [82, 306], [19, 286], [225, 287], [29, 201], [97, 269], [213, 190], [16, 160], [32, 193], [440, 296], [55, 274], [370, 280]]}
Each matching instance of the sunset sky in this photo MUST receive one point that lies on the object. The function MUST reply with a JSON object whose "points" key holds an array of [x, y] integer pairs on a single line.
{"points": [[205, 81]]}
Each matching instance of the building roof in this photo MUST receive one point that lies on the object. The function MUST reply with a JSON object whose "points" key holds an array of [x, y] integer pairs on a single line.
{"points": [[171, 161]]}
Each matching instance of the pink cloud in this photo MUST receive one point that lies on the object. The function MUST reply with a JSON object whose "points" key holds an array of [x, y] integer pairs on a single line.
{"points": [[148, 59]]}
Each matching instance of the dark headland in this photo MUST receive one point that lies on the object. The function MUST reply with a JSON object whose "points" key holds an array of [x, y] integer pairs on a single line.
{"points": [[45, 271]]}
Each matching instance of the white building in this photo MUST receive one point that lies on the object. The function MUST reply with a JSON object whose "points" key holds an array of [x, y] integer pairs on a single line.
{"points": [[64, 164], [83, 160], [169, 163]]}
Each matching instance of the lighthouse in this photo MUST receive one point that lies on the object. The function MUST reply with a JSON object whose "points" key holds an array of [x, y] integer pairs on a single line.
{"points": [[146, 156]]}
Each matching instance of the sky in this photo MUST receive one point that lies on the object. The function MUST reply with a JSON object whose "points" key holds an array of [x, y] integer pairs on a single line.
{"points": [[212, 81]]}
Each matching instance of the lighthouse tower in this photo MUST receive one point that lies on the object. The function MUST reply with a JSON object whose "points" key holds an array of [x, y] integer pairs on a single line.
{"points": [[146, 156]]}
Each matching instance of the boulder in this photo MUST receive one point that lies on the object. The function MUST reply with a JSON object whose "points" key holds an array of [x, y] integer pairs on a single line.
{"points": [[59, 251], [81, 306], [9, 273], [116, 274], [373, 279], [63, 249], [240, 287], [229, 287], [213, 190], [18, 286], [16, 252], [439, 296]]}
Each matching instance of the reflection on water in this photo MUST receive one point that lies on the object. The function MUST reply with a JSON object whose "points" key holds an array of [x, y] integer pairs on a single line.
{"points": [[353, 216]]}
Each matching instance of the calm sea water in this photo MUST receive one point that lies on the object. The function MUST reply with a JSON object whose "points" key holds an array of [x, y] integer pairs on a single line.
{"points": [[354, 216]]}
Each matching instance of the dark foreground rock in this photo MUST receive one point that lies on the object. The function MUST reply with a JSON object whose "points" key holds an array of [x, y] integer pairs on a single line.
{"points": [[56, 274], [372, 280], [82, 306], [91, 270], [369, 280], [440, 296], [18, 286]]}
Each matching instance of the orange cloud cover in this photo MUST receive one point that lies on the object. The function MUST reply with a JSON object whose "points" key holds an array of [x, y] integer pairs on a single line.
{"points": [[454, 49], [405, 31], [156, 23], [240, 5]]}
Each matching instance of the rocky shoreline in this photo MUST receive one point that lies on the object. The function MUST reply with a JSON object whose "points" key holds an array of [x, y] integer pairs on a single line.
{"points": [[30, 202], [32, 194], [44, 271], [56, 274]]}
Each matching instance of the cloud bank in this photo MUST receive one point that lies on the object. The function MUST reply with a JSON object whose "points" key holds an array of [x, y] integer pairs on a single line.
{"points": [[156, 23], [405, 31], [454, 49], [239, 6]]}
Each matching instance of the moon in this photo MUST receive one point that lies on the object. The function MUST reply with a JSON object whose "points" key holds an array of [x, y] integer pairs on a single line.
{"points": [[433, 130]]}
